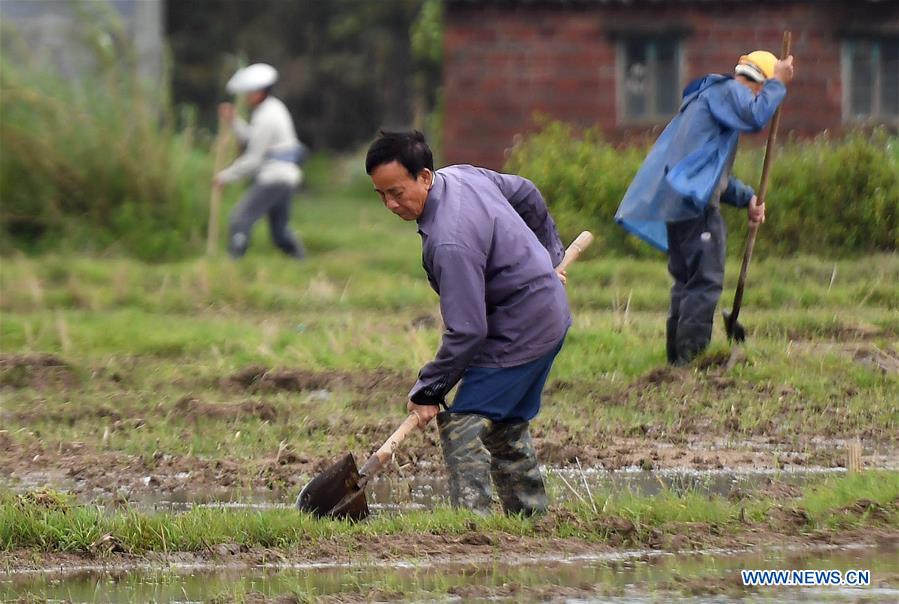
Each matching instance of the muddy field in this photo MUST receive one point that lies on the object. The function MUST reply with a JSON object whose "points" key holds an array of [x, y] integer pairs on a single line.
{"points": [[160, 389], [97, 470]]}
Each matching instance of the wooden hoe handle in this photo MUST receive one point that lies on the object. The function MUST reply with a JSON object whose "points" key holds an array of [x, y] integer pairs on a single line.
{"points": [[574, 250], [762, 193], [380, 457], [775, 124], [220, 150]]}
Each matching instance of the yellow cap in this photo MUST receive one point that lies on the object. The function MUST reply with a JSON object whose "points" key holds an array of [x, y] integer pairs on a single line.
{"points": [[761, 60]]}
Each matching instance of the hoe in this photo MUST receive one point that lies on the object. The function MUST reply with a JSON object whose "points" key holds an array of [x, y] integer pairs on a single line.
{"points": [[339, 491]]}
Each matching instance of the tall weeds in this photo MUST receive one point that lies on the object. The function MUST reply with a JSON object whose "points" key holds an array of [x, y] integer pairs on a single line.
{"points": [[95, 161]]}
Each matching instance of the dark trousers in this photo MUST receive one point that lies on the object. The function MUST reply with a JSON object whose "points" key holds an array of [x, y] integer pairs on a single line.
{"points": [[505, 394], [260, 200], [696, 250]]}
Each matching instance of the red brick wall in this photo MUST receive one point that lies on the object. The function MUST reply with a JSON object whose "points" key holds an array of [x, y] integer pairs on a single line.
{"points": [[503, 64]]}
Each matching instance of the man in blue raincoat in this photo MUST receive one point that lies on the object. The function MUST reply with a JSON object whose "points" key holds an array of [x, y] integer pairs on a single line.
{"points": [[673, 202]]}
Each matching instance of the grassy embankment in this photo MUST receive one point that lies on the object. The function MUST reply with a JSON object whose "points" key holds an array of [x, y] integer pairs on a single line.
{"points": [[52, 523]]}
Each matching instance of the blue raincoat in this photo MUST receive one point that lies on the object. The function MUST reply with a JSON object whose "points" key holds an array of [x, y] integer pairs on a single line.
{"points": [[682, 171]]}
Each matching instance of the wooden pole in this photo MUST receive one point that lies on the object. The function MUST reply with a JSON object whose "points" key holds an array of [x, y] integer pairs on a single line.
{"points": [[762, 193], [219, 150], [854, 456]]}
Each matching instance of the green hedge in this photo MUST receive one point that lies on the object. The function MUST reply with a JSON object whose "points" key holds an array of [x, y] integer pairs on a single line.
{"points": [[832, 197]]}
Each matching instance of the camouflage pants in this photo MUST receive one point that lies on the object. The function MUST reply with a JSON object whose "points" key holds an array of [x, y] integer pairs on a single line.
{"points": [[476, 449]]}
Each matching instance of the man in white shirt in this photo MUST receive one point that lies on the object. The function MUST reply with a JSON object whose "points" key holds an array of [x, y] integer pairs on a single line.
{"points": [[270, 158]]}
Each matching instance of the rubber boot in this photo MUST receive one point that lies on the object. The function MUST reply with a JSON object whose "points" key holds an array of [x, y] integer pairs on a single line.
{"points": [[692, 340], [515, 470], [467, 460], [671, 340]]}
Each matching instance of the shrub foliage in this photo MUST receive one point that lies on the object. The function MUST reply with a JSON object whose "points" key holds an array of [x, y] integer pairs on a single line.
{"points": [[96, 161], [834, 197]]}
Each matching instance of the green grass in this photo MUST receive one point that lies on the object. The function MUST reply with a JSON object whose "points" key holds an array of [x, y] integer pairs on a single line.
{"points": [[139, 336], [52, 523]]}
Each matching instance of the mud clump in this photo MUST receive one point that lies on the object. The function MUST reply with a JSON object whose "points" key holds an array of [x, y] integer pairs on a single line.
{"points": [[678, 543], [105, 546], [712, 360], [294, 381], [44, 498], [771, 489], [287, 456], [247, 376], [878, 359], [558, 453], [425, 322], [476, 539], [789, 519], [31, 361], [257, 378], [658, 376], [867, 507], [617, 530], [651, 381], [40, 371], [557, 516], [226, 550], [617, 525], [558, 386], [777, 489], [194, 408]]}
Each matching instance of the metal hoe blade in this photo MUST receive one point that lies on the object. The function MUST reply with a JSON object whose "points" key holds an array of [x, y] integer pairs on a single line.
{"points": [[734, 330], [339, 491], [335, 487]]}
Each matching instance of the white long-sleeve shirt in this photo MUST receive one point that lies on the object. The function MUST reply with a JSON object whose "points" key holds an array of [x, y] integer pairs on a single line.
{"points": [[269, 133]]}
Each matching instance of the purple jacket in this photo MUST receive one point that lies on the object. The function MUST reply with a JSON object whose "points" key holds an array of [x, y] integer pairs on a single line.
{"points": [[489, 247]]}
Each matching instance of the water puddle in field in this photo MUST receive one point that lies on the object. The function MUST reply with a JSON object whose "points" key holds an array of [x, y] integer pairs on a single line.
{"points": [[427, 491], [633, 577], [567, 484]]}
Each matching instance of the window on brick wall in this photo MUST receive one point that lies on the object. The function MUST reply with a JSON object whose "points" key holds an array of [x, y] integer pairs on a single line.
{"points": [[871, 79], [648, 78]]}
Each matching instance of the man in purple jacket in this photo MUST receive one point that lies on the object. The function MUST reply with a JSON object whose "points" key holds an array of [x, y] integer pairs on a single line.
{"points": [[489, 247]]}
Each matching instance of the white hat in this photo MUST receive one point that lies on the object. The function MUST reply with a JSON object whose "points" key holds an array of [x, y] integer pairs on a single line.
{"points": [[750, 71], [257, 76]]}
